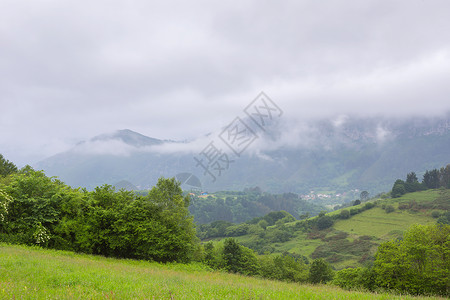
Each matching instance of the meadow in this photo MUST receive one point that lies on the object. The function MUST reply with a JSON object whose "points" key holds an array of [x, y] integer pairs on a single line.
{"points": [[35, 273]]}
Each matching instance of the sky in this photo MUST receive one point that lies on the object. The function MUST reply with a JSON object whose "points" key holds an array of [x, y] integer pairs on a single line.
{"points": [[71, 70]]}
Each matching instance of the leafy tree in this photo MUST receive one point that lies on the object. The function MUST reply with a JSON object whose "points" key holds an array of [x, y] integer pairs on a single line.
{"points": [[398, 189], [232, 255], [239, 259], [324, 222], [356, 202], [320, 271], [263, 224], [6, 167], [417, 264]]}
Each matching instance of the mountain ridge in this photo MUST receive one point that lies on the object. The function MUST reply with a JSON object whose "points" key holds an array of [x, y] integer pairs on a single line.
{"points": [[329, 155]]}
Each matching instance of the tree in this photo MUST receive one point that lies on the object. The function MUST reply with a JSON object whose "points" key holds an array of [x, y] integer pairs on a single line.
{"points": [[320, 271], [417, 264], [431, 179], [356, 202], [232, 255], [445, 177], [324, 222], [239, 259], [398, 189], [364, 195], [411, 178], [6, 167]]}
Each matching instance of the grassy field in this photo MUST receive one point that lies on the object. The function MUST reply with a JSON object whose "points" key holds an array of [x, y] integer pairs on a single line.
{"points": [[376, 222], [32, 273]]}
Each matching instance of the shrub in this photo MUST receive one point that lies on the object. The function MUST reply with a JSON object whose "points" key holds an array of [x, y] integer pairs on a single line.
{"points": [[324, 222], [345, 214], [369, 205], [354, 211], [320, 271], [435, 214], [389, 209]]}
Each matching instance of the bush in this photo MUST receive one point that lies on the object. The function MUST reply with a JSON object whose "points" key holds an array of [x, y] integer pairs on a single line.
{"points": [[320, 271], [389, 209], [324, 222], [435, 214], [369, 205], [345, 214], [354, 211], [348, 278]]}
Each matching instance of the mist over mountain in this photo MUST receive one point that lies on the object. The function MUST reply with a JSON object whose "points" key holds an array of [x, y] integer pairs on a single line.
{"points": [[332, 155]]}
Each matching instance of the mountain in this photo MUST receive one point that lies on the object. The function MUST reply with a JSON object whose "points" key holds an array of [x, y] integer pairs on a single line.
{"points": [[328, 157]]}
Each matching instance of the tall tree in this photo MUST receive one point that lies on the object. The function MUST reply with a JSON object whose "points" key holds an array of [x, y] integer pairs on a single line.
{"points": [[411, 177], [431, 179]]}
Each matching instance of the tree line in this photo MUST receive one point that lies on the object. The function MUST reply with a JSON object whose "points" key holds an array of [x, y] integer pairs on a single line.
{"points": [[432, 179], [38, 210]]}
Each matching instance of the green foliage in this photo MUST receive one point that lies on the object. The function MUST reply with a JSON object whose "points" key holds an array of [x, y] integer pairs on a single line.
{"points": [[284, 267], [398, 189], [250, 204], [389, 208], [344, 214], [432, 179], [36, 209], [320, 271], [324, 222], [417, 264], [435, 214], [355, 278], [6, 167]]}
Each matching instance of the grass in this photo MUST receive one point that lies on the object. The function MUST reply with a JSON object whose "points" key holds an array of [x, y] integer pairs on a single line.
{"points": [[33, 273], [376, 222]]}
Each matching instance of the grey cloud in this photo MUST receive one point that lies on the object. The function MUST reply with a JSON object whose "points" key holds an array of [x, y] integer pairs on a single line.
{"points": [[177, 70]]}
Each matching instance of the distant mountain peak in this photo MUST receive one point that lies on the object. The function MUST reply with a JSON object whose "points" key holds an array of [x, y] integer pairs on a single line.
{"points": [[128, 137]]}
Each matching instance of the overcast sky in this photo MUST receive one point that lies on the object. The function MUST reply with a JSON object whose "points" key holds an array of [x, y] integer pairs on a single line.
{"points": [[70, 70]]}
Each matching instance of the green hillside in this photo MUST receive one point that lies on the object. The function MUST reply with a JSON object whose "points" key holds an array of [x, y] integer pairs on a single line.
{"points": [[352, 241], [33, 273]]}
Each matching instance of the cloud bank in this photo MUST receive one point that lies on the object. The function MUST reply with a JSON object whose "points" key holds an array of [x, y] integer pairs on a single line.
{"points": [[178, 70]]}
